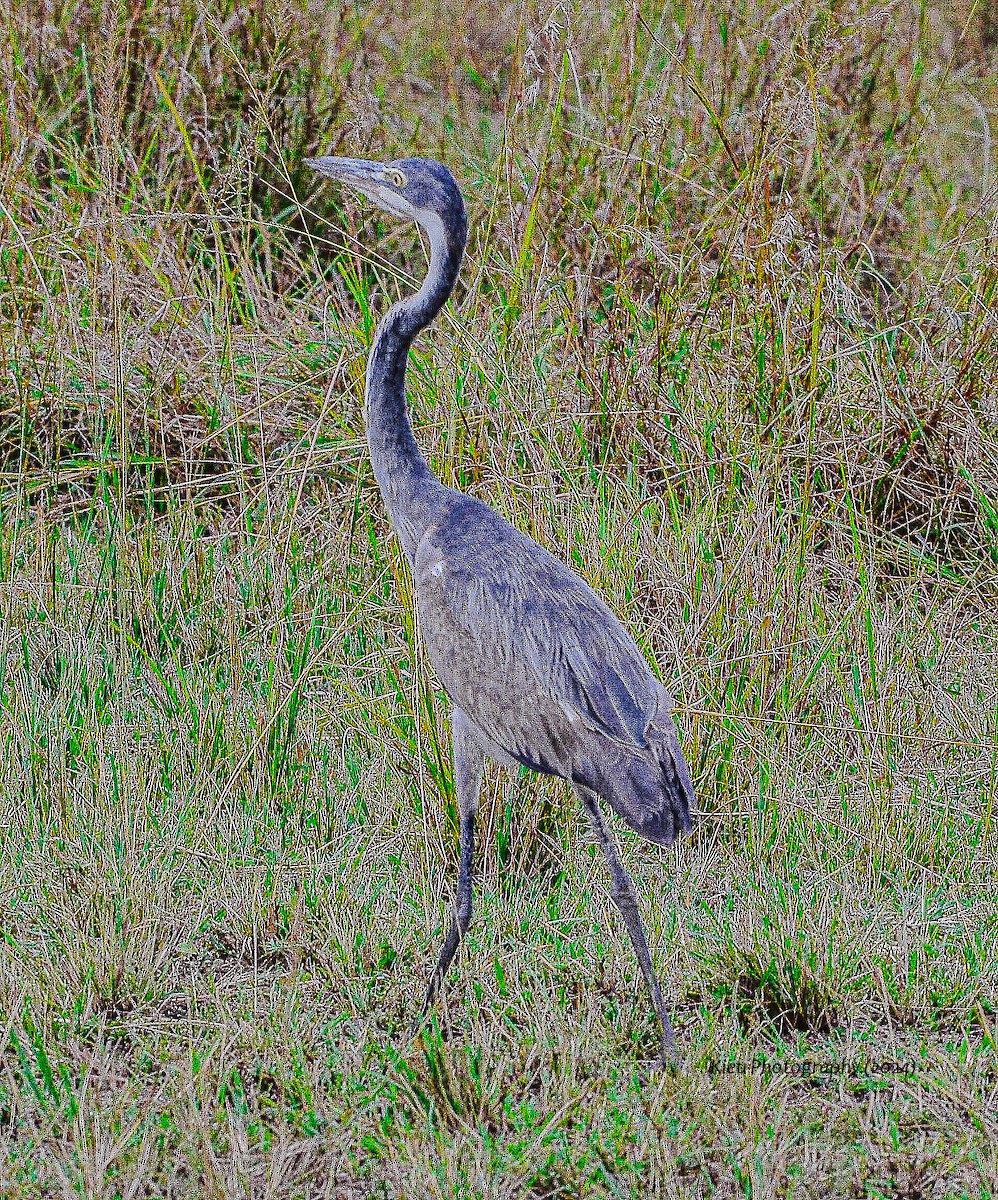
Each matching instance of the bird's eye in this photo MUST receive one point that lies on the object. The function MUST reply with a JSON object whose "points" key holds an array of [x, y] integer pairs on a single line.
{"points": [[395, 176]]}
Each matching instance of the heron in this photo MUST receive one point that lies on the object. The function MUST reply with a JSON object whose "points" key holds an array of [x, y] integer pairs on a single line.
{"points": [[538, 670]]}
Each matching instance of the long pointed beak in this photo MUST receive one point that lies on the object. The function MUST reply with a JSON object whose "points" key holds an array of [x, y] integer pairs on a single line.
{"points": [[355, 172]]}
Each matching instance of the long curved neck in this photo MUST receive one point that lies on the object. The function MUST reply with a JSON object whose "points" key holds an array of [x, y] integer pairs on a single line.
{"points": [[406, 481]]}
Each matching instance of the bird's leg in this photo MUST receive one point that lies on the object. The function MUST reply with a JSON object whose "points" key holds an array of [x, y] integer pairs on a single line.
{"points": [[469, 762], [625, 899]]}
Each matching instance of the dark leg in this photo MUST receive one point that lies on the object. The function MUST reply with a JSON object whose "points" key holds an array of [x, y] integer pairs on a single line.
{"points": [[625, 899], [469, 762]]}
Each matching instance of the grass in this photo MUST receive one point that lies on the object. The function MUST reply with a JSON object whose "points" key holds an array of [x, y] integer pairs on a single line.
{"points": [[725, 341]]}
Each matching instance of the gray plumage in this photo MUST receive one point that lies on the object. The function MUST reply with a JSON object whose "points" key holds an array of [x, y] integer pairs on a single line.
{"points": [[540, 671]]}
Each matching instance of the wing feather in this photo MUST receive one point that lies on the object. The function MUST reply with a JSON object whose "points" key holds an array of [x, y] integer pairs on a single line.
{"points": [[528, 619]]}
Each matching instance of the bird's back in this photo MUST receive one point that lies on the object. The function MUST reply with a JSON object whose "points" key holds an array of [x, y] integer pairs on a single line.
{"points": [[544, 670]]}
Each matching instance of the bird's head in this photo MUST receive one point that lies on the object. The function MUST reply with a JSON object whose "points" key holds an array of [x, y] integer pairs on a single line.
{"points": [[419, 189]]}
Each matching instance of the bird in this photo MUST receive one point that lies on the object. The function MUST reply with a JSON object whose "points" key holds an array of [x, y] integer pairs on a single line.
{"points": [[540, 673]]}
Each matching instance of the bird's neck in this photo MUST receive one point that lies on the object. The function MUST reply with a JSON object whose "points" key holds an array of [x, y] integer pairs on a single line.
{"points": [[406, 481]]}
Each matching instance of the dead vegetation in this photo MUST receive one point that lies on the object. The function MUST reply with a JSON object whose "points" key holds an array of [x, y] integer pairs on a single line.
{"points": [[726, 340]]}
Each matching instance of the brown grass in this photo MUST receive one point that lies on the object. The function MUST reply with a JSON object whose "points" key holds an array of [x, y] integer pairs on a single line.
{"points": [[725, 340]]}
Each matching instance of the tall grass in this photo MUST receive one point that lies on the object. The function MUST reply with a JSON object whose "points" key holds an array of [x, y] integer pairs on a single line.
{"points": [[725, 341]]}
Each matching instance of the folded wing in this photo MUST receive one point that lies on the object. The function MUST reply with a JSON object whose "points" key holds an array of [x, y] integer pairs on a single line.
{"points": [[546, 671]]}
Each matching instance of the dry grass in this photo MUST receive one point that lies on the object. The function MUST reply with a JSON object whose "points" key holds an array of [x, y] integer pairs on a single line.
{"points": [[726, 340]]}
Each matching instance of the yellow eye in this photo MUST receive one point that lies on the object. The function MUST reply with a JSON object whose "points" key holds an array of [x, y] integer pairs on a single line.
{"points": [[395, 176]]}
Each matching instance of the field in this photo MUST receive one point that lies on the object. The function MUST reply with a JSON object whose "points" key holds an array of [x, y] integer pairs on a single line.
{"points": [[726, 341]]}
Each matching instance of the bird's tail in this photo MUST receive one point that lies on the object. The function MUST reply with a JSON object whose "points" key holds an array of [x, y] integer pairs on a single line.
{"points": [[650, 788], [677, 811]]}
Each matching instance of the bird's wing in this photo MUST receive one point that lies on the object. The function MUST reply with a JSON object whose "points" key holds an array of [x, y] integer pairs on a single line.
{"points": [[500, 610], [585, 659]]}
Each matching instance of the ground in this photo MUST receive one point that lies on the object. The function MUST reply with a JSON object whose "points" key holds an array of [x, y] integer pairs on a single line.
{"points": [[725, 342]]}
